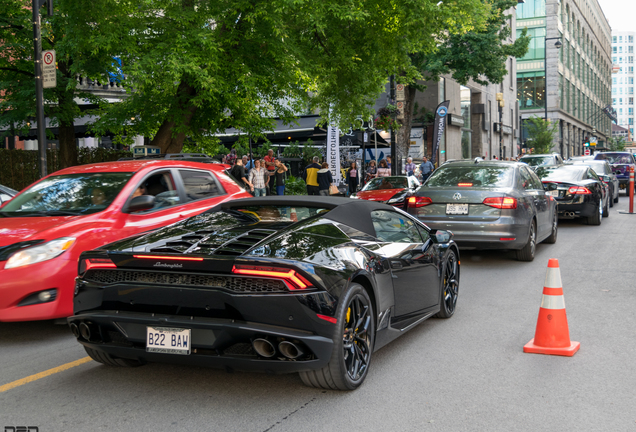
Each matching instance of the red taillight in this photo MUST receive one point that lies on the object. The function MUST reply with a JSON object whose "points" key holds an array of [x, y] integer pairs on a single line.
{"points": [[293, 279], [507, 238], [418, 201], [96, 263], [464, 184], [170, 258], [579, 190], [501, 202], [328, 318]]}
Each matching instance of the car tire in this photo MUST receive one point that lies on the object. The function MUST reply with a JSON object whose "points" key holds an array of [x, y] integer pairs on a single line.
{"points": [[555, 229], [618, 195], [450, 286], [606, 212], [610, 200], [527, 252], [109, 360], [352, 348], [596, 218]]}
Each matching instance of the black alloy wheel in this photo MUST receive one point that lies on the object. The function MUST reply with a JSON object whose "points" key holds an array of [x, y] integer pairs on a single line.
{"points": [[596, 218], [527, 252], [606, 207], [450, 286], [555, 229], [611, 196], [353, 339], [618, 195]]}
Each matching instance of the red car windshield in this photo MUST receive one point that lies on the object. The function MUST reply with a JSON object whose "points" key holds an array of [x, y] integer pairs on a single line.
{"points": [[387, 183], [70, 194]]}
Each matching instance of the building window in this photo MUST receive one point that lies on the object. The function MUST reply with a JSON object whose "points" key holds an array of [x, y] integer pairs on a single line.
{"points": [[631, 90], [631, 39], [537, 43], [630, 111], [531, 9], [630, 49], [631, 101], [620, 39], [531, 90], [630, 59], [620, 49], [613, 39]]}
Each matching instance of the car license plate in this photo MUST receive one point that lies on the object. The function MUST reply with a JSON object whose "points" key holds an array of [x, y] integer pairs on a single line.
{"points": [[457, 209], [554, 193], [168, 340]]}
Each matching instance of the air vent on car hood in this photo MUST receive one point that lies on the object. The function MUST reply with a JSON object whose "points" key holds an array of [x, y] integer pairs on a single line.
{"points": [[202, 242]]}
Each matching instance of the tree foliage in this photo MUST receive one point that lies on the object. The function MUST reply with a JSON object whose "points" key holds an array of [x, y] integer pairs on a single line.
{"points": [[541, 134], [616, 143]]}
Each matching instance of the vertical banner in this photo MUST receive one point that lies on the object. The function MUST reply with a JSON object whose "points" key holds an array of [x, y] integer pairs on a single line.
{"points": [[333, 153], [440, 124]]}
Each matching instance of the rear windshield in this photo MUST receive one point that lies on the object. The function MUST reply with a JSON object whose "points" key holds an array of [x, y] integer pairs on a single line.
{"points": [[472, 176], [598, 167], [566, 174], [274, 213], [615, 158], [387, 183], [537, 160]]}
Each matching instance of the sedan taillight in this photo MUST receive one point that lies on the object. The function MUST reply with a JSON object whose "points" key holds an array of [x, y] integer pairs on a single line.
{"points": [[501, 202], [579, 190], [293, 279], [418, 201]]}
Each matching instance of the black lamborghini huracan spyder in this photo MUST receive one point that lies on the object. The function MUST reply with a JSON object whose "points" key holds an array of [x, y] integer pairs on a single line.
{"points": [[279, 284]]}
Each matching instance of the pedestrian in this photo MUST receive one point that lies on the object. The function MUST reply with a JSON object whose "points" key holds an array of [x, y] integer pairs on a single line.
{"points": [[271, 167], [410, 167], [279, 175], [230, 159], [353, 176], [247, 164], [325, 179], [372, 171], [383, 169], [238, 172], [388, 162], [310, 176], [258, 177], [426, 169]]}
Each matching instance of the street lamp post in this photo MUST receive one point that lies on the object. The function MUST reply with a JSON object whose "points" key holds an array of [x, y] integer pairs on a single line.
{"points": [[558, 45]]}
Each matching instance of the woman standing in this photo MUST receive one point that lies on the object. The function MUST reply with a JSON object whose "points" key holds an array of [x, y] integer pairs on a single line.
{"points": [[372, 170], [324, 179], [258, 179], [352, 177], [280, 177], [383, 170]]}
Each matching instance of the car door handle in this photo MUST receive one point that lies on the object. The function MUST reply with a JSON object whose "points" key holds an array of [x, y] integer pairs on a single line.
{"points": [[396, 265]]}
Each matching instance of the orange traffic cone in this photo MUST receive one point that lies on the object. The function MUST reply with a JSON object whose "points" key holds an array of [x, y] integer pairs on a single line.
{"points": [[552, 335]]}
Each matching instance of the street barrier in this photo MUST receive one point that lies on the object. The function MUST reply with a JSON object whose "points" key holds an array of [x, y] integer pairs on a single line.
{"points": [[552, 335]]}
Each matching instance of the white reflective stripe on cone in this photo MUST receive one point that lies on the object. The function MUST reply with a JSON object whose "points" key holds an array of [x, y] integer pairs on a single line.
{"points": [[553, 278], [552, 302]]}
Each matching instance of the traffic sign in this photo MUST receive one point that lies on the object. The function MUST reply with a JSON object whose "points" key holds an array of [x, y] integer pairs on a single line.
{"points": [[49, 74], [399, 92], [587, 152]]}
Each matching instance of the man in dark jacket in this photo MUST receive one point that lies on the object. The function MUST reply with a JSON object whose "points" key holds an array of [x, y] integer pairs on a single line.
{"points": [[324, 179], [311, 176]]}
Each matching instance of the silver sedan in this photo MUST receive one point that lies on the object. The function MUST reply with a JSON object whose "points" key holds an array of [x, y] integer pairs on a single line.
{"points": [[488, 205]]}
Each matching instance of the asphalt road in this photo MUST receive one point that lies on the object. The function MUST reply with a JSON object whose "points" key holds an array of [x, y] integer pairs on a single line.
{"points": [[464, 374]]}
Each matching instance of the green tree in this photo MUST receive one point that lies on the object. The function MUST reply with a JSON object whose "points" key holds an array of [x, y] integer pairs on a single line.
{"points": [[17, 78], [194, 68], [541, 134], [616, 143], [479, 55]]}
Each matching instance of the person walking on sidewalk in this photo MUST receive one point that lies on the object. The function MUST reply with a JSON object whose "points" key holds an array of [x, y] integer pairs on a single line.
{"points": [[279, 175], [410, 167], [324, 179], [310, 176], [258, 179], [384, 170], [426, 169], [353, 176], [238, 172]]}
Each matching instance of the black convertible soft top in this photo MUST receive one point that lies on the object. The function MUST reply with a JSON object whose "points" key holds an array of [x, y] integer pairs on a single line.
{"points": [[355, 213]]}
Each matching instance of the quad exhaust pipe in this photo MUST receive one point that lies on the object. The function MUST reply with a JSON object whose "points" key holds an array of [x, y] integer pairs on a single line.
{"points": [[569, 214], [75, 330], [264, 348], [290, 350]]}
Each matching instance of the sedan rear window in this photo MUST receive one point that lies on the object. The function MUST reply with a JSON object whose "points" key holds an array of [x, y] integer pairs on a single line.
{"points": [[615, 158], [472, 176], [566, 174], [537, 160]]}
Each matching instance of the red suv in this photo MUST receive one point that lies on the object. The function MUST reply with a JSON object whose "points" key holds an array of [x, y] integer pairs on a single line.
{"points": [[45, 227]]}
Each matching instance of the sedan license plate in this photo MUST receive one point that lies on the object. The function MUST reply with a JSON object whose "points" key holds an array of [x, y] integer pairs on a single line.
{"points": [[168, 340], [554, 193], [457, 209]]}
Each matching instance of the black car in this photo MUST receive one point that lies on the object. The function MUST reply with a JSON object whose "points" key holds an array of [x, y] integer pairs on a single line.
{"points": [[279, 284], [537, 160], [578, 191], [605, 173]]}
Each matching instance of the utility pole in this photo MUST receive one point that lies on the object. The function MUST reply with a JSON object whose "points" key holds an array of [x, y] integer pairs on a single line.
{"points": [[501, 103], [39, 87]]}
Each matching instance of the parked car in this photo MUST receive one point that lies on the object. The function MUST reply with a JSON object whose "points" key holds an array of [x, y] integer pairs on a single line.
{"points": [[580, 158], [393, 190], [312, 285], [46, 226], [488, 205], [6, 194], [605, 173], [578, 190], [535, 160], [621, 162]]}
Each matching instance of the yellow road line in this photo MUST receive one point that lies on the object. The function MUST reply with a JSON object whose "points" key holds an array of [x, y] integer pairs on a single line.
{"points": [[44, 374]]}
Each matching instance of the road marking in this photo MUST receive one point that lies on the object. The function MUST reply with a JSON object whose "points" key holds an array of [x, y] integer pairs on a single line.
{"points": [[44, 374]]}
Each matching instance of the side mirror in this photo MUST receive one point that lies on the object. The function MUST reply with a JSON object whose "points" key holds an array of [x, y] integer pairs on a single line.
{"points": [[441, 236], [140, 203]]}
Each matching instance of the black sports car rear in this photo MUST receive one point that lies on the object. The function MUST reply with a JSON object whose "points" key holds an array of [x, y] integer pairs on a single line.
{"points": [[578, 191], [291, 284]]}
